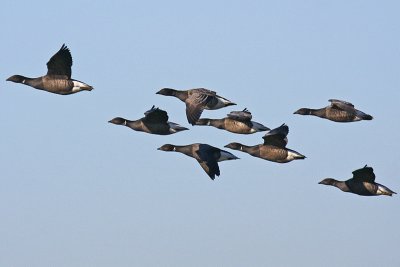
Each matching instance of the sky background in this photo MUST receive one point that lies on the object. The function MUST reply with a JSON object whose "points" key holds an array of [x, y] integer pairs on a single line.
{"points": [[78, 191]]}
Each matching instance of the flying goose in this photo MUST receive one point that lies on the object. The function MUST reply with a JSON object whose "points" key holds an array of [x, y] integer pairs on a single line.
{"points": [[207, 156], [58, 78], [339, 111], [155, 121], [236, 122], [362, 183], [197, 100], [274, 147]]}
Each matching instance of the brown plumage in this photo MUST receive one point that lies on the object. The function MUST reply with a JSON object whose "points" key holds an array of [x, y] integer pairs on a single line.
{"points": [[207, 156], [58, 78], [338, 111], [362, 183], [197, 100], [236, 122], [274, 147], [155, 121]]}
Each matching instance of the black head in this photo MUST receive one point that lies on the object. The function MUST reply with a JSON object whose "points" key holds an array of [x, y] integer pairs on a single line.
{"points": [[328, 181], [118, 121], [303, 111], [167, 147], [17, 79], [234, 146], [167, 92]]}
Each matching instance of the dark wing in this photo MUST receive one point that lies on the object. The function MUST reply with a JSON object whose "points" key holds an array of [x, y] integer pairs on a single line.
{"points": [[244, 115], [343, 105], [277, 136], [155, 115], [207, 158], [203, 91], [60, 63], [365, 174], [195, 103]]}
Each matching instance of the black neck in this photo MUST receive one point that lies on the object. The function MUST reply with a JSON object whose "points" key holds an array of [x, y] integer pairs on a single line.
{"points": [[182, 95], [317, 112], [341, 185], [135, 125], [187, 150], [245, 148]]}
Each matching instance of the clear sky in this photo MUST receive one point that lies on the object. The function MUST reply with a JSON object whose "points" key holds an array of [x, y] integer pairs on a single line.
{"points": [[78, 191]]}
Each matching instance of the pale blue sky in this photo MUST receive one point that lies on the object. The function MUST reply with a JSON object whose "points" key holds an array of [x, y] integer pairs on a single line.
{"points": [[77, 191]]}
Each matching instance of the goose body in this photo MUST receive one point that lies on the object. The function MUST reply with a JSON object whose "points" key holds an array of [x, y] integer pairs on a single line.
{"points": [[362, 183], [155, 121], [338, 111], [207, 156], [197, 100], [236, 122], [58, 78], [274, 147]]}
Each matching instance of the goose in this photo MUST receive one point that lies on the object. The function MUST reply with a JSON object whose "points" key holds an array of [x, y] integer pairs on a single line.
{"points": [[236, 122], [58, 78], [207, 156], [197, 100], [274, 147], [155, 121], [338, 111], [362, 183]]}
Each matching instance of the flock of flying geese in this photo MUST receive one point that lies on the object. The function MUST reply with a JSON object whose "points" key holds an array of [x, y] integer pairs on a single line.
{"points": [[58, 80]]}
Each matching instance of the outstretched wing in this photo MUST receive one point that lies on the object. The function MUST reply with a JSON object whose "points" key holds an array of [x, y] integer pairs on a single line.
{"points": [[343, 105], [365, 174], [155, 115], [243, 115], [60, 63], [195, 103], [207, 158], [277, 136]]}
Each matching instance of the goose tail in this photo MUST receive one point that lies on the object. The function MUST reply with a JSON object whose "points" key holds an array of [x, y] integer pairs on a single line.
{"points": [[364, 116], [383, 190]]}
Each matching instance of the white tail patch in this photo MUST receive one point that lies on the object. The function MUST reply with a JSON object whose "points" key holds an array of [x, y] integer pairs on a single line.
{"points": [[383, 190], [226, 156], [222, 102], [294, 155], [79, 86], [174, 127], [257, 127]]}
